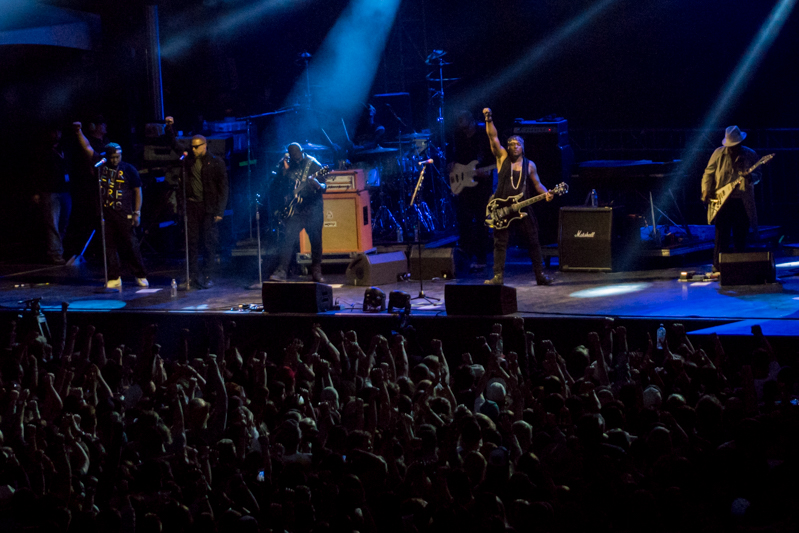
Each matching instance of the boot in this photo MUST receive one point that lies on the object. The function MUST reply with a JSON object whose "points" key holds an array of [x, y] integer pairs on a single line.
{"points": [[498, 279], [543, 279], [316, 273]]}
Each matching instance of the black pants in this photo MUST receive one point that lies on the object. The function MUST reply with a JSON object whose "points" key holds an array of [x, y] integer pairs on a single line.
{"points": [[731, 219], [121, 244], [470, 207], [311, 219], [527, 228], [203, 239]]}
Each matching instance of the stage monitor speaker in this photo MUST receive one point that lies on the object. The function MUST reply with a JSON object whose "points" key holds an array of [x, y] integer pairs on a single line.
{"points": [[379, 269], [436, 263], [589, 238], [297, 297], [347, 226], [479, 299], [747, 268]]}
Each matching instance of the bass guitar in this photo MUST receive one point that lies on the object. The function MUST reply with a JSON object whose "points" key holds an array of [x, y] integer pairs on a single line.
{"points": [[723, 193], [501, 212], [462, 176], [296, 201]]}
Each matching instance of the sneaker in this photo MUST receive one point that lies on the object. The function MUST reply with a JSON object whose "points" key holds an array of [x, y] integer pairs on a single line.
{"points": [[142, 282], [114, 283], [498, 279], [278, 275]]}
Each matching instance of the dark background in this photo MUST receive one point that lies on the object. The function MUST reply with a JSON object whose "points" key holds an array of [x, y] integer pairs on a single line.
{"points": [[641, 64]]}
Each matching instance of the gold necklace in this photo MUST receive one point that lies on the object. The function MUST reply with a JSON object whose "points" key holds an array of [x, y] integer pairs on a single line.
{"points": [[520, 177]]}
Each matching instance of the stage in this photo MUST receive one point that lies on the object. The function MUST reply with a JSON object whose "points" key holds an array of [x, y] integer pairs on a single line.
{"points": [[643, 297]]}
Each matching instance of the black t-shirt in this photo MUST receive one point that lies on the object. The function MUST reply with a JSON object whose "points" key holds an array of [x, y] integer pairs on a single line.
{"points": [[475, 148], [118, 185]]}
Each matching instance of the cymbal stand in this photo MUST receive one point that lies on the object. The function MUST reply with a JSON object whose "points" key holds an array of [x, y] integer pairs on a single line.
{"points": [[421, 295]]}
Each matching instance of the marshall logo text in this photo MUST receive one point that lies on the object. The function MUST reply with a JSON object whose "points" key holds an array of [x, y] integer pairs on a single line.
{"points": [[584, 234]]}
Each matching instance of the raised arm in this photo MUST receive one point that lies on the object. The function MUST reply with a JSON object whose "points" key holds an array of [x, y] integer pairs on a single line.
{"points": [[493, 137]]}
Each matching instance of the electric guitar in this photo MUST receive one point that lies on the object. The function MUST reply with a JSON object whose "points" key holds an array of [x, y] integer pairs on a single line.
{"points": [[291, 207], [462, 176], [723, 193], [501, 212]]}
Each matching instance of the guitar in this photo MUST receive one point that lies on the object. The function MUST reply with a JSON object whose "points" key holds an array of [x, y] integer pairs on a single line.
{"points": [[291, 207], [462, 176], [723, 193], [501, 212]]}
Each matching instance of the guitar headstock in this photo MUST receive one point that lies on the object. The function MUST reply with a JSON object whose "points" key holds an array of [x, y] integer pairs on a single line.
{"points": [[560, 188], [324, 171]]}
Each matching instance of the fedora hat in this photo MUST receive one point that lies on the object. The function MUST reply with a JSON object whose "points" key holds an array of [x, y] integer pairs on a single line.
{"points": [[732, 136]]}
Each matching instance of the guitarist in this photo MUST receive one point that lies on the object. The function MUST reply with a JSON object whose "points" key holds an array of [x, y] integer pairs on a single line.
{"points": [[738, 213], [471, 144], [295, 173], [517, 174]]}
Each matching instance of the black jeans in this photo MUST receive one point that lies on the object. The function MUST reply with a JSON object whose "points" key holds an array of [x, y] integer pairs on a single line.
{"points": [[203, 238], [122, 244], [311, 219], [56, 208], [527, 228], [731, 219]]}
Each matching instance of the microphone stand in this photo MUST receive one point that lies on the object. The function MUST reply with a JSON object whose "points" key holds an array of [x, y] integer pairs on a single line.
{"points": [[421, 295], [102, 223], [185, 220]]}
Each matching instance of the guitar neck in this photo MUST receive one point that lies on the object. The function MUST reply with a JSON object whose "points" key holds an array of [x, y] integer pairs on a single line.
{"points": [[529, 201]]}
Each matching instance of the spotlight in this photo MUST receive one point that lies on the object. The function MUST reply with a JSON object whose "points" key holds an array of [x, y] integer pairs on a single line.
{"points": [[399, 301], [374, 300]]}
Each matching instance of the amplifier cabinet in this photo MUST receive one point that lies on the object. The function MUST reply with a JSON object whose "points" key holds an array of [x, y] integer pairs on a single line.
{"points": [[747, 268], [347, 226], [345, 181], [589, 239]]}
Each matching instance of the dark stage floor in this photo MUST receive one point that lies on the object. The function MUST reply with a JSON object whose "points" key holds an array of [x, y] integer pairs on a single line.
{"points": [[651, 294]]}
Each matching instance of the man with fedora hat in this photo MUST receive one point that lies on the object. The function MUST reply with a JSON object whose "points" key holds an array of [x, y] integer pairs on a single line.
{"points": [[738, 213]]}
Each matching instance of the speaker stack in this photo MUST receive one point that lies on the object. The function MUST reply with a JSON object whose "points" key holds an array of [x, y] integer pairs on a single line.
{"points": [[546, 143]]}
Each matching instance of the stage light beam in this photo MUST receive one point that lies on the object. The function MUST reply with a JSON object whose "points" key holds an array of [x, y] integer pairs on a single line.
{"points": [[738, 80], [541, 51]]}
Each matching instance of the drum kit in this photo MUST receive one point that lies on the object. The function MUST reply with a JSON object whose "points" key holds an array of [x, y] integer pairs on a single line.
{"points": [[392, 173]]}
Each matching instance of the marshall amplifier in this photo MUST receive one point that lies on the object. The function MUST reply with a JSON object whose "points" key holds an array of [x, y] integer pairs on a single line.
{"points": [[592, 239]]}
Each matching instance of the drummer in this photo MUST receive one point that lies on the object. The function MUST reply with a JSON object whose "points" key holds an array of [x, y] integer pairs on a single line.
{"points": [[369, 132]]}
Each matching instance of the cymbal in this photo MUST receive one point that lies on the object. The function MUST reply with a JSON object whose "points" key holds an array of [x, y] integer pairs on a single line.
{"points": [[435, 56], [378, 150], [311, 147], [414, 136]]}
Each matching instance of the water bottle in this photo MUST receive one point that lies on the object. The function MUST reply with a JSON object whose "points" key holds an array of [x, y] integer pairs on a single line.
{"points": [[399, 234], [594, 201], [174, 288], [661, 337]]}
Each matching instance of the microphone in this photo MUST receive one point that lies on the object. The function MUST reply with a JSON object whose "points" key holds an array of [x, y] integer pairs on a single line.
{"points": [[184, 156], [426, 162], [101, 162]]}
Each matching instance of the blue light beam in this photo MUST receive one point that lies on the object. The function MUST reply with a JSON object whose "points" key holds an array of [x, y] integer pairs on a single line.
{"points": [[344, 67], [537, 54], [181, 43], [738, 79]]}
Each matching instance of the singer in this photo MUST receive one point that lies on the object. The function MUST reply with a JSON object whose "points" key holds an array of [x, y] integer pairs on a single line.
{"points": [[517, 174], [206, 198], [298, 177], [120, 185]]}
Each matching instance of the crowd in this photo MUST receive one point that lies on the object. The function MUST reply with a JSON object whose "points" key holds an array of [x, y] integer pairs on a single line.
{"points": [[339, 433]]}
